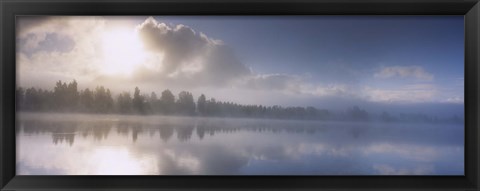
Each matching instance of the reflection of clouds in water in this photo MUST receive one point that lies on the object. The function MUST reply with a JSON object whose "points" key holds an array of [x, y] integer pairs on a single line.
{"points": [[428, 159], [323, 149], [32, 160], [118, 161], [272, 153], [221, 146], [320, 149], [407, 151], [172, 163], [220, 160], [414, 152], [384, 169], [185, 160], [201, 160], [85, 157], [306, 159]]}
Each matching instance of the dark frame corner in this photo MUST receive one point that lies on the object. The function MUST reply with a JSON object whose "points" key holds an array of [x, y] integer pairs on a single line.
{"points": [[10, 8]]}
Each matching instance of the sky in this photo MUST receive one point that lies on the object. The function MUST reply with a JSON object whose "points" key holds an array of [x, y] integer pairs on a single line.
{"points": [[323, 61]]}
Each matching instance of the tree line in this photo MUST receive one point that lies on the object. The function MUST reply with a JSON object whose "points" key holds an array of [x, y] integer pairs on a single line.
{"points": [[66, 97]]}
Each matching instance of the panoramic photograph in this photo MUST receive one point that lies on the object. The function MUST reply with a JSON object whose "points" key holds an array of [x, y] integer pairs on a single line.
{"points": [[240, 95]]}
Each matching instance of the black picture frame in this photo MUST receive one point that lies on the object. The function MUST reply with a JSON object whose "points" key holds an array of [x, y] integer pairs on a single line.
{"points": [[9, 9]]}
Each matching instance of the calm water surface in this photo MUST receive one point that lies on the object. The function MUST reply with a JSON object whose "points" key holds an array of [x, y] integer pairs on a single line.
{"points": [[74, 144]]}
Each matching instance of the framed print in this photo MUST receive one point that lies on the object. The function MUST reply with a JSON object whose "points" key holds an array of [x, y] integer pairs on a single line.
{"points": [[239, 95]]}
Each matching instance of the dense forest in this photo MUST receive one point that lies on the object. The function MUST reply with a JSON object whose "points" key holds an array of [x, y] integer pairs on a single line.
{"points": [[67, 98]]}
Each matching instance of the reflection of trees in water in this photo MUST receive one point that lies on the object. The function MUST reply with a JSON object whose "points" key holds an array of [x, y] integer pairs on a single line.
{"points": [[184, 133], [151, 130], [200, 132], [357, 132], [99, 131], [59, 133], [68, 137], [166, 131], [65, 131], [122, 129], [136, 129]]}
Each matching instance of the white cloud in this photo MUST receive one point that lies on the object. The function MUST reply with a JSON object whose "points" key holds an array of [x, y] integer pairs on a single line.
{"points": [[295, 85], [270, 82], [404, 72], [403, 94], [40, 63], [189, 58], [456, 99], [328, 90]]}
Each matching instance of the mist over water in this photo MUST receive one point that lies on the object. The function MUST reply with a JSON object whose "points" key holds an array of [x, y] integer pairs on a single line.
{"points": [[78, 144]]}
